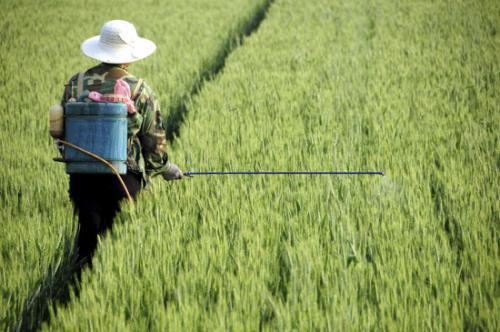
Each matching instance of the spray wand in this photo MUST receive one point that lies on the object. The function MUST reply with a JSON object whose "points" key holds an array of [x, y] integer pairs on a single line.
{"points": [[190, 174]]}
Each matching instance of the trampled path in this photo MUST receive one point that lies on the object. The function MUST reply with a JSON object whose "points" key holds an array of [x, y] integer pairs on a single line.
{"points": [[178, 111]]}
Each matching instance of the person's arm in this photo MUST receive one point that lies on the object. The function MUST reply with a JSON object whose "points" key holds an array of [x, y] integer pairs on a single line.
{"points": [[152, 133]]}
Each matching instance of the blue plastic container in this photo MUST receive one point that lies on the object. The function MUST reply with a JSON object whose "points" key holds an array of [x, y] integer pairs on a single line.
{"points": [[100, 128]]}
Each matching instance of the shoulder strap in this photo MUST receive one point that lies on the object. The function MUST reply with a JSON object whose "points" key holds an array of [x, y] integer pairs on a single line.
{"points": [[79, 84], [137, 89]]}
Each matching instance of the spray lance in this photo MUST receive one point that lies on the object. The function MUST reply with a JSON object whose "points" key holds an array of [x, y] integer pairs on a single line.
{"points": [[191, 174]]}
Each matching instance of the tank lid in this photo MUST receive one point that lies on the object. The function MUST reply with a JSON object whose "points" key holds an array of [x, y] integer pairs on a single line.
{"points": [[81, 108]]}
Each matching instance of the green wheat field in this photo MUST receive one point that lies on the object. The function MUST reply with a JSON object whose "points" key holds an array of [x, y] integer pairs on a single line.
{"points": [[408, 87]]}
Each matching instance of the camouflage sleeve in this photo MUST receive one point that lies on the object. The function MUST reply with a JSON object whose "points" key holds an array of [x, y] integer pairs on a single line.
{"points": [[152, 133]]}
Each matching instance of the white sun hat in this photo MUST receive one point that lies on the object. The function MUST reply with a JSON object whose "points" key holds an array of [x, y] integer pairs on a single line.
{"points": [[118, 43]]}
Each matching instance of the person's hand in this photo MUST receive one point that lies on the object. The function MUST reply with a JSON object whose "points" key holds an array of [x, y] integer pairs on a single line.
{"points": [[172, 173]]}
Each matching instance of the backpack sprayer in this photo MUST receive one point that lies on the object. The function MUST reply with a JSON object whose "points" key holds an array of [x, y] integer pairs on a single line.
{"points": [[93, 130]]}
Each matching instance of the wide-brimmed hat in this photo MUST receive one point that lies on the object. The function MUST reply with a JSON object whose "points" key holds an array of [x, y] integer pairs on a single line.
{"points": [[118, 43]]}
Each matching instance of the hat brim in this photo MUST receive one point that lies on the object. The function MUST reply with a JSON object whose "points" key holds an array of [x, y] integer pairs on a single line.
{"points": [[94, 49]]}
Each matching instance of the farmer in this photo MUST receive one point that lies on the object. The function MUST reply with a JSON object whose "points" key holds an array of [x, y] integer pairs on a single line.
{"points": [[97, 197]]}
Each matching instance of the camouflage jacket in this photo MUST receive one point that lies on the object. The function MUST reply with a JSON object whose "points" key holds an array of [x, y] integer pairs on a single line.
{"points": [[147, 144]]}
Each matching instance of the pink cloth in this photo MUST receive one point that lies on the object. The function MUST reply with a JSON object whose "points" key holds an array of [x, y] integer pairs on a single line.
{"points": [[121, 95]]}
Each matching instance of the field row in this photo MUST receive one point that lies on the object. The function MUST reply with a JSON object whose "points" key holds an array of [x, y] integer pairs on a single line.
{"points": [[408, 88]]}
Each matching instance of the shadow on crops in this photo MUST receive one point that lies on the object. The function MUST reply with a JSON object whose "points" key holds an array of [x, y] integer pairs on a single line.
{"points": [[56, 288], [178, 110]]}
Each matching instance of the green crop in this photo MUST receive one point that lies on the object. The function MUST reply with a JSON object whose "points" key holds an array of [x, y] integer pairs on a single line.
{"points": [[409, 87]]}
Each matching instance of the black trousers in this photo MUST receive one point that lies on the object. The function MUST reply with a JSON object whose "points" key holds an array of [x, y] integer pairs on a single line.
{"points": [[97, 198]]}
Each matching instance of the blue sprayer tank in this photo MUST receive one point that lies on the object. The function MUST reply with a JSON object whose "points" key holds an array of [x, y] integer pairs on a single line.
{"points": [[100, 128]]}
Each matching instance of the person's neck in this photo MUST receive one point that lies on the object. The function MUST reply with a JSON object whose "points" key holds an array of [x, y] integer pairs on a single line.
{"points": [[122, 66]]}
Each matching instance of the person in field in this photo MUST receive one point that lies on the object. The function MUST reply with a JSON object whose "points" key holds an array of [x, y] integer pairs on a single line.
{"points": [[96, 197]]}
